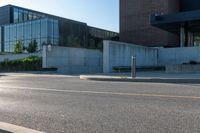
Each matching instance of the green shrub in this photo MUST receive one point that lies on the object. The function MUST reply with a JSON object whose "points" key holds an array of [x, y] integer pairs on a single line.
{"points": [[18, 47], [32, 63], [32, 47]]}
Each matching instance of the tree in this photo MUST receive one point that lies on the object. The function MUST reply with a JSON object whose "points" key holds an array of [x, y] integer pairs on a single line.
{"points": [[18, 47], [32, 47]]}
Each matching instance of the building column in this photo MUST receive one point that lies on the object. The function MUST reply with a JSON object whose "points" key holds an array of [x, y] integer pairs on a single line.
{"points": [[2, 39], [182, 36], [190, 39]]}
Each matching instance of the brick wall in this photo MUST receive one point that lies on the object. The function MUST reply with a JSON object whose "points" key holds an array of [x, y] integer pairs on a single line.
{"points": [[135, 26]]}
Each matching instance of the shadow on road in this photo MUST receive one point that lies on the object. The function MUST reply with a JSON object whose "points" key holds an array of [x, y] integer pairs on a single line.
{"points": [[3, 131], [39, 73], [1, 75]]}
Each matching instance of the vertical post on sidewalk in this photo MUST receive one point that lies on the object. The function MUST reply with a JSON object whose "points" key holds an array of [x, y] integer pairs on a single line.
{"points": [[133, 67]]}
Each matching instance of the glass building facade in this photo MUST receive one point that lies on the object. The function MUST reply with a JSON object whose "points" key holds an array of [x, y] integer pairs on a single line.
{"points": [[43, 31], [1, 39], [21, 15], [26, 25], [100, 33], [73, 34], [96, 37]]}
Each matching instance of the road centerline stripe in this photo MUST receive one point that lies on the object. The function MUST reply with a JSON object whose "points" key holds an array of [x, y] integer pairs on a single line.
{"points": [[105, 92]]}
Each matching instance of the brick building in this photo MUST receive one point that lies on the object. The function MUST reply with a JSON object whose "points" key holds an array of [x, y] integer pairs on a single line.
{"points": [[144, 22]]}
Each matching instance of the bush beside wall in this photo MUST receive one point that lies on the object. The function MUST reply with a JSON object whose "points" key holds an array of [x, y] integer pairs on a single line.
{"points": [[32, 63]]}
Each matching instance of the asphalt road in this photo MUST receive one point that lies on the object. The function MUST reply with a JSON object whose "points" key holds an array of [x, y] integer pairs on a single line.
{"points": [[57, 104]]}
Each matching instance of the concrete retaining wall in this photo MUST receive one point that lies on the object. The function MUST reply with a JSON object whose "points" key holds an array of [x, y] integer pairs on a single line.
{"points": [[175, 56], [78, 60], [119, 54], [73, 60], [17, 56]]}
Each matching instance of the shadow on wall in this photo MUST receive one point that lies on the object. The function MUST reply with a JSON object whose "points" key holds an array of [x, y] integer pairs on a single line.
{"points": [[119, 54], [80, 61], [73, 60]]}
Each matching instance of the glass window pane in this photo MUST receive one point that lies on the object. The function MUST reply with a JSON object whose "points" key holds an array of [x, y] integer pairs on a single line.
{"points": [[26, 43], [20, 32], [0, 41], [21, 17], [33, 24], [56, 29], [35, 16], [6, 34], [28, 30], [50, 28], [38, 31], [44, 28], [25, 31], [11, 35], [43, 31], [25, 15], [30, 16], [44, 41], [16, 15], [12, 46], [6, 47], [38, 44]]}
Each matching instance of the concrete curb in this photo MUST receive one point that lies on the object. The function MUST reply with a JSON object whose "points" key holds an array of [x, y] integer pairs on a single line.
{"points": [[9, 128], [149, 80]]}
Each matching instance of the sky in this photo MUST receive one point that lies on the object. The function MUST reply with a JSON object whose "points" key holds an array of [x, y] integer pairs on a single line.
{"points": [[98, 13]]}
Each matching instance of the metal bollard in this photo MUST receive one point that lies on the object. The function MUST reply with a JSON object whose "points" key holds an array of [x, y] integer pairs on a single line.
{"points": [[133, 67]]}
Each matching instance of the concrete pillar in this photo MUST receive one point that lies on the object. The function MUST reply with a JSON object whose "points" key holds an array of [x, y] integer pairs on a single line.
{"points": [[106, 58], [182, 36], [189, 39], [44, 56]]}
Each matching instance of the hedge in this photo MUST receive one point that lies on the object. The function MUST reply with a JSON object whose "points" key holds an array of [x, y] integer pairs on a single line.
{"points": [[32, 63]]}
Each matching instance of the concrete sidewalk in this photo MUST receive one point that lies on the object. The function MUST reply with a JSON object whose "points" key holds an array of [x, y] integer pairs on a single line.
{"points": [[153, 76]]}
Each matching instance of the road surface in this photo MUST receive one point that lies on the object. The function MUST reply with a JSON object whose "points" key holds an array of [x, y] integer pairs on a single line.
{"points": [[65, 104]]}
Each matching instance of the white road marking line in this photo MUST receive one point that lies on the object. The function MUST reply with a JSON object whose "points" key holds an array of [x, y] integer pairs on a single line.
{"points": [[41, 75], [16, 129], [105, 93]]}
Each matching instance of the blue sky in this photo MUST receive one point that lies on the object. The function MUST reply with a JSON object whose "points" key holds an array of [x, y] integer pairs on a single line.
{"points": [[98, 13]]}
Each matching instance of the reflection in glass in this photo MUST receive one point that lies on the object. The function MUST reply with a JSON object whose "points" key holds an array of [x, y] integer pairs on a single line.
{"points": [[22, 15], [41, 31], [0, 40], [16, 17]]}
